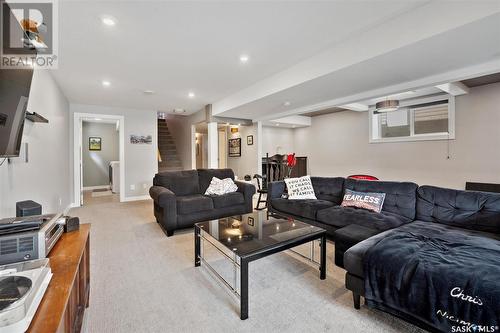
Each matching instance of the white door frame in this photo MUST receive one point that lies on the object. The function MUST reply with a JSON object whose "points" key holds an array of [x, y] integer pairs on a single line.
{"points": [[193, 147], [77, 152]]}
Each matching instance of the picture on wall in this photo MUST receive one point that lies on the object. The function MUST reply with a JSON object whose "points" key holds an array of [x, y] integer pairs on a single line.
{"points": [[94, 143], [235, 147], [251, 221], [141, 139], [250, 140]]}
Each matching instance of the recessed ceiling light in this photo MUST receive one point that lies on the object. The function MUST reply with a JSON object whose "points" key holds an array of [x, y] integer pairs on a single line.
{"points": [[191, 94], [244, 58], [287, 103], [179, 110], [277, 124], [148, 92], [106, 83], [108, 20]]}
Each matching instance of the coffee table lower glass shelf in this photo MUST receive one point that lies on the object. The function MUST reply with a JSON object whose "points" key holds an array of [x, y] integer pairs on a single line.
{"points": [[245, 238]]}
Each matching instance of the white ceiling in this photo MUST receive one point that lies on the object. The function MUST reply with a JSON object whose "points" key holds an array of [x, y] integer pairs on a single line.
{"points": [[439, 42], [176, 47]]}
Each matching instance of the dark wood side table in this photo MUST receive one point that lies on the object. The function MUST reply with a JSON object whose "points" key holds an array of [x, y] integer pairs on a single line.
{"points": [[67, 296]]}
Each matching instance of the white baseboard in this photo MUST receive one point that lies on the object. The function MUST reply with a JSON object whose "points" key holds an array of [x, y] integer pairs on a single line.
{"points": [[137, 198], [71, 205], [98, 187]]}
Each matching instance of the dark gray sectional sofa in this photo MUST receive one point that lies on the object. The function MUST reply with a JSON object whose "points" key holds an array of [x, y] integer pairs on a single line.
{"points": [[179, 200], [430, 257], [326, 212]]}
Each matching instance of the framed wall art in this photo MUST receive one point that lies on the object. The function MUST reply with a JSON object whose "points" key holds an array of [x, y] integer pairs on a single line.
{"points": [[95, 143], [235, 147]]}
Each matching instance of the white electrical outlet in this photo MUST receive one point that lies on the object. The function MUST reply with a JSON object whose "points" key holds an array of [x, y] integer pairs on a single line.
{"points": [[132, 187]]}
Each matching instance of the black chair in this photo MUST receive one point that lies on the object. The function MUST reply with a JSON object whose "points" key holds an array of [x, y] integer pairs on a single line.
{"points": [[261, 190]]}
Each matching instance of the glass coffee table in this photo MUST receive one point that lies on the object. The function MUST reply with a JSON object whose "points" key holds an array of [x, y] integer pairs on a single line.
{"points": [[245, 238]]}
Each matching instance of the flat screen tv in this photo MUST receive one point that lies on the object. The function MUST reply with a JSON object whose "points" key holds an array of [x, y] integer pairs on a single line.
{"points": [[14, 91]]}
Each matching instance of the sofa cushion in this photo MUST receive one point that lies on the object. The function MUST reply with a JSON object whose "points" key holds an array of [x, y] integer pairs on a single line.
{"points": [[349, 236], [353, 258], [328, 188], [305, 207], [179, 182], [228, 199], [341, 216], [465, 209], [206, 175], [193, 203], [400, 197]]}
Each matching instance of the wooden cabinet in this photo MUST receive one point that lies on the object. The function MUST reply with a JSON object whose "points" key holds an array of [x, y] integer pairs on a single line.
{"points": [[67, 296], [300, 168]]}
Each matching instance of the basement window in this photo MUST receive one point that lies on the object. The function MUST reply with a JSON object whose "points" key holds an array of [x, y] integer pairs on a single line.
{"points": [[427, 119]]}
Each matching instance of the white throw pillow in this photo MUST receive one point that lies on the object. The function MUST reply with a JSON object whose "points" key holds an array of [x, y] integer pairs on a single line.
{"points": [[221, 186], [300, 188]]}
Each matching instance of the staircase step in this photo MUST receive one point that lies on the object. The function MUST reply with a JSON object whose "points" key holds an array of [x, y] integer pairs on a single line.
{"points": [[168, 150]]}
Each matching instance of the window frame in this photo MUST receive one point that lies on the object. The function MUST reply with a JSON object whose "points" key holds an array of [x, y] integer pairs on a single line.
{"points": [[450, 135]]}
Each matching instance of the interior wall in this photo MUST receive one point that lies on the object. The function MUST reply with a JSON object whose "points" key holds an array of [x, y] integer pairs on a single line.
{"points": [[277, 140], [337, 145], [45, 178], [141, 162], [247, 163], [96, 162]]}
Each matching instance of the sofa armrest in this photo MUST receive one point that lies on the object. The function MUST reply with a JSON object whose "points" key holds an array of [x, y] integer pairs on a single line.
{"points": [[161, 195], [165, 207], [248, 191], [275, 189]]}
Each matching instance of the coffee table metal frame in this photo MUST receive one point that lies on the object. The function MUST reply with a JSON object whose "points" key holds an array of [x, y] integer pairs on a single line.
{"points": [[201, 236]]}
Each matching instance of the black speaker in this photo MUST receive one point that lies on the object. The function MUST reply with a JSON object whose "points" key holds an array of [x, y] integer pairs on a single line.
{"points": [[28, 208], [72, 224]]}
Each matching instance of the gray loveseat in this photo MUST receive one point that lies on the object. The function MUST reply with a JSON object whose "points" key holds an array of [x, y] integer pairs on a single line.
{"points": [[179, 200]]}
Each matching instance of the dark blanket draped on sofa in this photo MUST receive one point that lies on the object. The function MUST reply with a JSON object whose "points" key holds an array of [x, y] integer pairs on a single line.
{"points": [[439, 276]]}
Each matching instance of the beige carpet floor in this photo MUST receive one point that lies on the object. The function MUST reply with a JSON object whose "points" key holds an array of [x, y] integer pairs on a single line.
{"points": [[142, 281]]}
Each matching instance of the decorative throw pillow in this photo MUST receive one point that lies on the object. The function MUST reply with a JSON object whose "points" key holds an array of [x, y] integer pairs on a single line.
{"points": [[221, 186], [300, 188], [368, 200]]}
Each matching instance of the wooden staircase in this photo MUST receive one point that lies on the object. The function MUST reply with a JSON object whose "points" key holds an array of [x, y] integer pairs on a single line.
{"points": [[166, 147]]}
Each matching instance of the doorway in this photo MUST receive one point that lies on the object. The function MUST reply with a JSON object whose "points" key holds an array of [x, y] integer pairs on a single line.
{"points": [[201, 145], [222, 147], [98, 158]]}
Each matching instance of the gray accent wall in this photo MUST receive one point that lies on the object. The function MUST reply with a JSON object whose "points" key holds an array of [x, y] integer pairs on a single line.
{"points": [[45, 178], [337, 145], [96, 162]]}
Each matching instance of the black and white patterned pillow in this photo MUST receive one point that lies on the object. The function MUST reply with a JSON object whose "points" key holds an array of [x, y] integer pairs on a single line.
{"points": [[221, 186]]}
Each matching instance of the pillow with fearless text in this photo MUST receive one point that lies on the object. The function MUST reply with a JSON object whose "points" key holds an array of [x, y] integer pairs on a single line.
{"points": [[367, 200]]}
